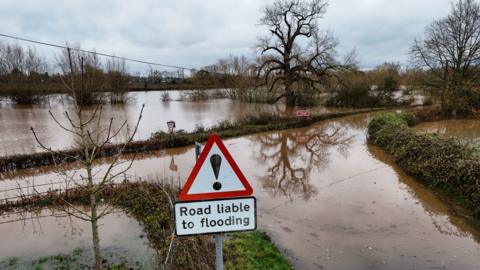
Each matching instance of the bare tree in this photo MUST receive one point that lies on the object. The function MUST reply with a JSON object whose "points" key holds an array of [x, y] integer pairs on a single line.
{"points": [[284, 61], [22, 71], [88, 65], [116, 80], [92, 137], [451, 52]]}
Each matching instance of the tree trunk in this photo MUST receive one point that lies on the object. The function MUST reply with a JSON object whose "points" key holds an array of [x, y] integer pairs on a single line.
{"points": [[291, 100], [95, 236], [289, 95]]}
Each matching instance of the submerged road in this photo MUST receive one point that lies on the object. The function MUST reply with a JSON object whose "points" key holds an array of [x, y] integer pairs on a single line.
{"points": [[328, 199]]}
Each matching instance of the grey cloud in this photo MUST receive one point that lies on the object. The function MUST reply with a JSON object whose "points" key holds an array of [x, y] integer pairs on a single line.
{"points": [[195, 33]]}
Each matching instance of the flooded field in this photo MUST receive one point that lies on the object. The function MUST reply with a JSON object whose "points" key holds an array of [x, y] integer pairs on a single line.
{"points": [[28, 236], [327, 198], [466, 129], [16, 120]]}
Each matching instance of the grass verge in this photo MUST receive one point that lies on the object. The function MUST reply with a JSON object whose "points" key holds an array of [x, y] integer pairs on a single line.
{"points": [[446, 164], [253, 250]]}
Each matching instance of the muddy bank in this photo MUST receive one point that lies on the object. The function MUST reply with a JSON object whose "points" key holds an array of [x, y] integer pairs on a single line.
{"points": [[163, 140]]}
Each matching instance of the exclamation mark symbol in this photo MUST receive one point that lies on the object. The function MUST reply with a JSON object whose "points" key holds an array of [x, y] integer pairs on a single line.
{"points": [[216, 161]]}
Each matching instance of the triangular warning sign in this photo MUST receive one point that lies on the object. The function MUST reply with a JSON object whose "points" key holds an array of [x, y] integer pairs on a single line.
{"points": [[215, 175]]}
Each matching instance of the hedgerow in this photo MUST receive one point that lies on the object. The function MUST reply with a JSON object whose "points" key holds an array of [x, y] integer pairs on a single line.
{"points": [[444, 163]]}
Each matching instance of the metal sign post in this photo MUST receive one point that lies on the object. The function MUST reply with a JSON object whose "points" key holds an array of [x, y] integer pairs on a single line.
{"points": [[218, 237], [198, 149], [219, 251]]}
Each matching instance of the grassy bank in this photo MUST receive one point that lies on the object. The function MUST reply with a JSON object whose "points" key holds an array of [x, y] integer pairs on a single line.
{"points": [[253, 251], [162, 140], [446, 164], [148, 203]]}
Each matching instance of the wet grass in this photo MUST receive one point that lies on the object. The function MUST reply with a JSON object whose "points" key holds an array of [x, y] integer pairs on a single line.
{"points": [[446, 164], [253, 251], [77, 259], [149, 203]]}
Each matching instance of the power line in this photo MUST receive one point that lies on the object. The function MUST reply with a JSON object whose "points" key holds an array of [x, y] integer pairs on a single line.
{"points": [[93, 52]]}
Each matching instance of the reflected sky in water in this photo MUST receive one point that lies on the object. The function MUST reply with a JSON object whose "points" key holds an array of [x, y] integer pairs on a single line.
{"points": [[31, 235]]}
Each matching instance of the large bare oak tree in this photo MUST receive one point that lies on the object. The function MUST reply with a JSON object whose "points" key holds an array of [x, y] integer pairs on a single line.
{"points": [[295, 52]]}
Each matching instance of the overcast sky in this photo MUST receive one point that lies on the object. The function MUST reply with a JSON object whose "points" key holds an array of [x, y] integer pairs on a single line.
{"points": [[194, 33]]}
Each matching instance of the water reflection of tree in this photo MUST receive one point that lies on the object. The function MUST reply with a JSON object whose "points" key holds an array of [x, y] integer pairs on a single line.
{"points": [[291, 156], [31, 221]]}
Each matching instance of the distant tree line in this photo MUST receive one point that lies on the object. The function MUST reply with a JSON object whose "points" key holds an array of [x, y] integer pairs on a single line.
{"points": [[26, 77]]}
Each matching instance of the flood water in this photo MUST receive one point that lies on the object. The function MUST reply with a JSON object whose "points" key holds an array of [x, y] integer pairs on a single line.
{"points": [[29, 236], [465, 129], [327, 199], [16, 120]]}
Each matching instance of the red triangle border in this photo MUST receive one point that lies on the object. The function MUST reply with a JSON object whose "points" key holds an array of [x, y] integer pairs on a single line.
{"points": [[184, 196]]}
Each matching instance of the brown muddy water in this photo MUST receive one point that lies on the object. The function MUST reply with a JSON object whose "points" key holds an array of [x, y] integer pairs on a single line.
{"points": [[16, 120], [465, 129], [327, 199], [28, 236]]}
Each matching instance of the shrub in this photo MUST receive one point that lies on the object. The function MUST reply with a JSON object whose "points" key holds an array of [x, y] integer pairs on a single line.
{"points": [[463, 100], [224, 125], [306, 96], [392, 120], [427, 101], [355, 95], [260, 118], [199, 128], [165, 96]]}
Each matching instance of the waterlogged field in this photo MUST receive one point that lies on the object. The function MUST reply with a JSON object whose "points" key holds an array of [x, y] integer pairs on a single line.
{"points": [[327, 199], [16, 120], [464, 129], [50, 239]]}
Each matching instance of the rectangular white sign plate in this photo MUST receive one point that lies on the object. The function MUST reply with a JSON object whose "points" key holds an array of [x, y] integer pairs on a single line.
{"points": [[215, 216]]}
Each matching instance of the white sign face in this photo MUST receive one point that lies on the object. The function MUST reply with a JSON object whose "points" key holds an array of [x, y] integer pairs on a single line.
{"points": [[206, 177], [215, 216]]}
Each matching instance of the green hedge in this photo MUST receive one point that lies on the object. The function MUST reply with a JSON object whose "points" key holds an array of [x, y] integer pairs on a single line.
{"points": [[444, 163]]}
